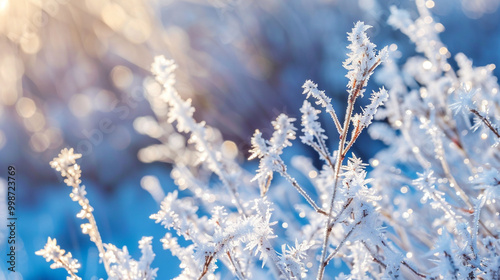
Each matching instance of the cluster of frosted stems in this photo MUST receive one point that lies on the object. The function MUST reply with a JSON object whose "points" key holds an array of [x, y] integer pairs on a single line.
{"points": [[441, 135], [232, 237]]}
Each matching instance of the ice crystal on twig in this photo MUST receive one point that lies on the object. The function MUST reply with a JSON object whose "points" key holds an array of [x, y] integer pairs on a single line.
{"points": [[61, 259], [123, 267], [117, 263]]}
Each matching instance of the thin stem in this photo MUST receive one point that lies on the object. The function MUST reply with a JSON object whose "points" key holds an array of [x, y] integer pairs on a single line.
{"points": [[274, 257], [377, 63], [336, 121], [208, 260], [355, 136], [338, 163], [487, 230], [325, 150], [319, 150], [486, 122], [399, 227], [298, 187], [98, 243], [98, 239], [237, 270], [384, 265], [330, 257], [341, 212], [356, 89], [68, 269], [222, 176], [453, 182], [413, 269]]}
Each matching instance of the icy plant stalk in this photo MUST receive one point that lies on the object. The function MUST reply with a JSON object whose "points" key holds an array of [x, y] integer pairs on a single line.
{"points": [[117, 263], [66, 164], [52, 252], [444, 123], [361, 62]]}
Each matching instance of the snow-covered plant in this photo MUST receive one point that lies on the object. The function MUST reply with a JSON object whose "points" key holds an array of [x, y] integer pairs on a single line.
{"points": [[438, 177], [426, 210], [342, 216], [52, 252], [117, 263]]}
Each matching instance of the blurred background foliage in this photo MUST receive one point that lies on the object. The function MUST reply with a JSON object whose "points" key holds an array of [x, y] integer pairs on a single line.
{"points": [[73, 74]]}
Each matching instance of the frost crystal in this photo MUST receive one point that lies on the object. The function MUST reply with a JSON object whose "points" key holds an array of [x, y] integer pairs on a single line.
{"points": [[123, 267], [362, 58], [52, 252]]}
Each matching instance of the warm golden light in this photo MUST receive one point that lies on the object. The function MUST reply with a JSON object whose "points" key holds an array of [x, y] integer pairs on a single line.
{"points": [[313, 174], [229, 149], [121, 76], [25, 107], [4, 4]]}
